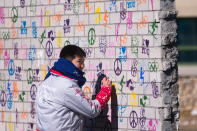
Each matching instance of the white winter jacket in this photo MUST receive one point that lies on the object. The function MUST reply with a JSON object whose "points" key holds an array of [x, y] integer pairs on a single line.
{"points": [[61, 105]]}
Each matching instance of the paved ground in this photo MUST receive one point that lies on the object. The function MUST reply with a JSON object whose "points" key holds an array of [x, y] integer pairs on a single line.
{"points": [[188, 103]]}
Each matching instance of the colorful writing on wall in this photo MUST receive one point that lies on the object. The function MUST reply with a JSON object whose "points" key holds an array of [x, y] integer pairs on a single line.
{"points": [[120, 39]]}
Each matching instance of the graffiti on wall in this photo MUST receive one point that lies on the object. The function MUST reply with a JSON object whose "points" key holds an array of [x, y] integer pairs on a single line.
{"points": [[119, 38]]}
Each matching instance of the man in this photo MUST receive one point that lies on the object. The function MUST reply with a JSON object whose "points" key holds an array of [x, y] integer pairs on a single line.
{"points": [[60, 103]]}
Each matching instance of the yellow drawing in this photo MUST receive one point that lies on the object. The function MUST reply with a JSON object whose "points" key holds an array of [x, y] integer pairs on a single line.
{"points": [[10, 124], [43, 71], [134, 99], [47, 22], [98, 15], [59, 39]]}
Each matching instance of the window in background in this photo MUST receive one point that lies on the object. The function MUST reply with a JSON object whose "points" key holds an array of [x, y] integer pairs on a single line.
{"points": [[187, 40]]}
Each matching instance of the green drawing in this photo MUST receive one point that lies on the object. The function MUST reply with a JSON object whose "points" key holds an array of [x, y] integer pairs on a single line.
{"points": [[14, 14], [66, 43], [134, 45], [153, 26], [21, 96], [29, 76], [91, 36], [143, 101], [122, 82]]}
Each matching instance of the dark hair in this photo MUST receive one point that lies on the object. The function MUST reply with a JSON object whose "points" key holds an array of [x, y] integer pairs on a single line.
{"points": [[70, 51]]}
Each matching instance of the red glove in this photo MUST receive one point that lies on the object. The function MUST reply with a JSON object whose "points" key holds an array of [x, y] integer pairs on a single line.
{"points": [[104, 95]]}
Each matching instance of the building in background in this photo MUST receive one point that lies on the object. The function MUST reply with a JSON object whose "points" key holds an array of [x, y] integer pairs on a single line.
{"points": [[187, 45]]}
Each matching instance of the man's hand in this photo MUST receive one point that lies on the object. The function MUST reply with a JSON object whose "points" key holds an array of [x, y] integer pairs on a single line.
{"points": [[106, 82]]}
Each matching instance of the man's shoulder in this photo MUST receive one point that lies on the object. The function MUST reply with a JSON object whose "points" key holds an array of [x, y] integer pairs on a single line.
{"points": [[60, 81]]}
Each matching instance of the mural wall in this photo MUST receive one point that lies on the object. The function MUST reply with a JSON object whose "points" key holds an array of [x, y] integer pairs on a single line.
{"points": [[122, 39]]}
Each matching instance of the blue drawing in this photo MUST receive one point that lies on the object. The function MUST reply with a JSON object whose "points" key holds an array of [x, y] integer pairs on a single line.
{"points": [[131, 4], [11, 67], [34, 29], [123, 54], [23, 27], [113, 5], [121, 110], [10, 97], [32, 53], [9, 101], [141, 76]]}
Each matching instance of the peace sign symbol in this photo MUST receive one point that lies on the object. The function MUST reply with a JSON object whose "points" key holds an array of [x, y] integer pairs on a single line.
{"points": [[91, 36], [117, 66], [3, 98], [66, 43], [133, 119], [14, 14], [11, 68], [33, 91], [30, 76], [49, 48]]}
